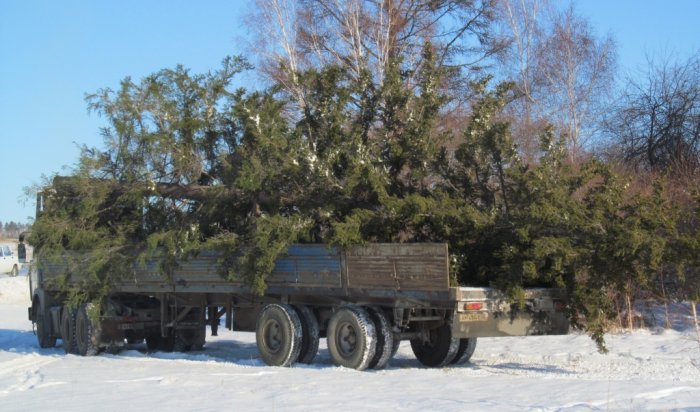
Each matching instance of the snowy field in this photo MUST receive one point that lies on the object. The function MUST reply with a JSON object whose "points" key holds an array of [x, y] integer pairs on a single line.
{"points": [[643, 371]]}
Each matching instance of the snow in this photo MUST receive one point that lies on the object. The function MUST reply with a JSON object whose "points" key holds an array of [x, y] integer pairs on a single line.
{"points": [[645, 370]]}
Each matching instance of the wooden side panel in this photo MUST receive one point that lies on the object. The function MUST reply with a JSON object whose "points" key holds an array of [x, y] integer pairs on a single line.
{"points": [[410, 266]]}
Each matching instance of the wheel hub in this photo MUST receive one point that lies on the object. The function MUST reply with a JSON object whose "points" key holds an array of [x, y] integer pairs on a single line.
{"points": [[347, 339], [273, 336]]}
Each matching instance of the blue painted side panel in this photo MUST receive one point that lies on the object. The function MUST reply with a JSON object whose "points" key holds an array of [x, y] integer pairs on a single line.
{"points": [[310, 266]]}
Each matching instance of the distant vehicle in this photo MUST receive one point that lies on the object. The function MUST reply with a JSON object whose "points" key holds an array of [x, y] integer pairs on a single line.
{"points": [[8, 261]]}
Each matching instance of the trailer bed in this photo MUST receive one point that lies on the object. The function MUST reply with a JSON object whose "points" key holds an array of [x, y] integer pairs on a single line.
{"points": [[381, 271]]}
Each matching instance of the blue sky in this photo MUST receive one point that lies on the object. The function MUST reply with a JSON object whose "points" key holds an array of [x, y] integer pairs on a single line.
{"points": [[53, 52], [644, 28]]}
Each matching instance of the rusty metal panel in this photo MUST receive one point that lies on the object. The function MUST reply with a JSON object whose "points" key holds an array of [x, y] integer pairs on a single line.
{"points": [[409, 266]]}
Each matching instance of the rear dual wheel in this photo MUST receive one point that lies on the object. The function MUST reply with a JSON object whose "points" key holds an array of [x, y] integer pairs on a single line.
{"points": [[309, 334], [361, 338], [438, 348], [154, 341], [185, 340], [352, 338], [68, 330], [385, 338], [465, 351], [87, 332], [358, 338], [278, 334]]}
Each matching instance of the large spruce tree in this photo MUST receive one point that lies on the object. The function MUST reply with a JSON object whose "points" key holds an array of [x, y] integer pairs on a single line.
{"points": [[189, 163]]}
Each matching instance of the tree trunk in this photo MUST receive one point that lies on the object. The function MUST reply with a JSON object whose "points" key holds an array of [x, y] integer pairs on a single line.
{"points": [[695, 322], [667, 319], [628, 298]]}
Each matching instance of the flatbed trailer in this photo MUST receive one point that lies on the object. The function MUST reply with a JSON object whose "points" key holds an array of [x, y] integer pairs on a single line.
{"points": [[364, 300]]}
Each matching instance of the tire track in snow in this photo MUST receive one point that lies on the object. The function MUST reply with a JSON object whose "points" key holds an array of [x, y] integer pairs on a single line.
{"points": [[23, 363], [611, 367], [614, 402], [664, 393], [26, 371]]}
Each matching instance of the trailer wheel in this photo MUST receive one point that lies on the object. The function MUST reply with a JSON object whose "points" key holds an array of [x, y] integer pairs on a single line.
{"points": [[87, 333], [465, 351], [310, 335], [438, 350], [395, 348], [153, 342], [43, 328], [183, 340], [200, 338], [167, 343], [352, 338], [68, 330], [278, 334], [385, 338], [113, 349]]}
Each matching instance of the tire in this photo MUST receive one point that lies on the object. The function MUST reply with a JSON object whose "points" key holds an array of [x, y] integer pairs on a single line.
{"points": [[278, 334], [167, 343], [440, 349], [179, 345], [15, 271], [200, 339], [310, 336], [385, 338], [183, 340], [153, 342], [352, 338], [395, 348], [113, 349], [465, 351], [87, 333], [68, 330], [43, 328]]}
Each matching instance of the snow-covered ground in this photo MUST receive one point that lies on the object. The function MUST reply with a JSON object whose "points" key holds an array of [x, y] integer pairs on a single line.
{"points": [[643, 371]]}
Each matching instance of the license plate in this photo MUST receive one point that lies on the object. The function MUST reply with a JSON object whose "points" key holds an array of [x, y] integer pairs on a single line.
{"points": [[473, 317], [129, 326]]}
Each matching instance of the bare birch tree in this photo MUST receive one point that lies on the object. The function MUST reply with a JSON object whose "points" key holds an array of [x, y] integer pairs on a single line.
{"points": [[367, 35], [562, 72], [577, 70], [520, 22]]}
